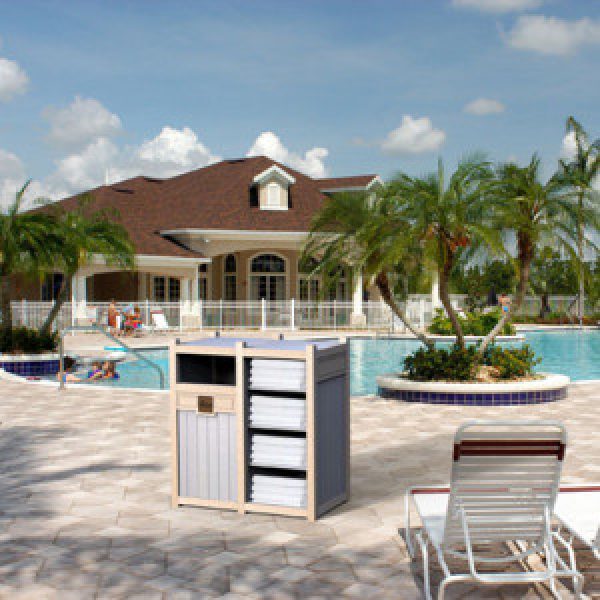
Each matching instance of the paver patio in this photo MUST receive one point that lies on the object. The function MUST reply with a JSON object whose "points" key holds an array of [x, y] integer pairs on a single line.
{"points": [[85, 506]]}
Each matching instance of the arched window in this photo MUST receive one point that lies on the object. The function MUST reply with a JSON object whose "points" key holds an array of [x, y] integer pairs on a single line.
{"points": [[230, 278], [267, 277], [268, 263]]}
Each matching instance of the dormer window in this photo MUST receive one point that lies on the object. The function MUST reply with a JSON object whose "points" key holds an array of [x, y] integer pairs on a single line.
{"points": [[273, 195], [274, 188]]}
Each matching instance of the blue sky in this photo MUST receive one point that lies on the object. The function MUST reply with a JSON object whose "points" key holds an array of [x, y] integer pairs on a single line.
{"points": [[373, 86]]}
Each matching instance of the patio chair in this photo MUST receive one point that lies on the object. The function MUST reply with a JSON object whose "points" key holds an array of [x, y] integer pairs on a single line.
{"points": [[578, 512], [505, 477], [159, 321]]}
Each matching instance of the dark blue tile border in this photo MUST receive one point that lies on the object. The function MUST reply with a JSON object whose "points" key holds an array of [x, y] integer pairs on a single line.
{"points": [[31, 368], [475, 399]]}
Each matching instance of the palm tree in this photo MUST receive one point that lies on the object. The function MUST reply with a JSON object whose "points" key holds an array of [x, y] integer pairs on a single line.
{"points": [[366, 234], [85, 236], [579, 174], [539, 215], [449, 220], [28, 245]]}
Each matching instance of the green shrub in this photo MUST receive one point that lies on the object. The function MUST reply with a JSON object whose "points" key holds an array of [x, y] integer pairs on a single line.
{"points": [[454, 364], [512, 362], [475, 323], [429, 364], [22, 340]]}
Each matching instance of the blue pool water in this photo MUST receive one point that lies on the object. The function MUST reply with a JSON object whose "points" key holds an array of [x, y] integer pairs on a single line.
{"points": [[573, 353]]}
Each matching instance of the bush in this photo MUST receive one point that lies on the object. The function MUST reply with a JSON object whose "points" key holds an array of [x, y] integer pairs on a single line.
{"points": [[429, 364], [512, 362], [475, 323], [455, 364], [22, 340]]}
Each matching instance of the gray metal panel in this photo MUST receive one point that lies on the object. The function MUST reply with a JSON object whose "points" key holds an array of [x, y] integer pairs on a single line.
{"points": [[207, 456], [331, 432]]}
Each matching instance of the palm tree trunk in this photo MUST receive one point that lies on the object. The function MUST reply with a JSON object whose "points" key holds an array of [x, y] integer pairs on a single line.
{"points": [[5, 307], [526, 257], [580, 232], [445, 298], [58, 303], [383, 285]]}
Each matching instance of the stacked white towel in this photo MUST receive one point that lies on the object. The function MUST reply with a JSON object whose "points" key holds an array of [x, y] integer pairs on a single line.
{"points": [[276, 412], [283, 491], [273, 374], [278, 451]]}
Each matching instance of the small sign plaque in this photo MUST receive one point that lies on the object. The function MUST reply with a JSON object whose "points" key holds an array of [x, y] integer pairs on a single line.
{"points": [[206, 404]]}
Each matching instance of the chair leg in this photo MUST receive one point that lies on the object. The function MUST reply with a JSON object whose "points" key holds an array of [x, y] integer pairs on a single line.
{"points": [[425, 555]]}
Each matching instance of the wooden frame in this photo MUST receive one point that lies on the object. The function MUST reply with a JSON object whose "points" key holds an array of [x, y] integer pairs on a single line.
{"points": [[322, 364]]}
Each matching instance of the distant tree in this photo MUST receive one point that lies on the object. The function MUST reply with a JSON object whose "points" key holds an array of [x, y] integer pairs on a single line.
{"points": [[578, 174], [28, 246], [85, 235], [539, 215]]}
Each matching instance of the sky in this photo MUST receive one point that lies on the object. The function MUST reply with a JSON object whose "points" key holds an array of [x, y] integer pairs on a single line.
{"points": [[97, 91]]}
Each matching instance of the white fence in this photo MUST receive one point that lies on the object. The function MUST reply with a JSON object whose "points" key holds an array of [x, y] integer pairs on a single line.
{"points": [[289, 314]]}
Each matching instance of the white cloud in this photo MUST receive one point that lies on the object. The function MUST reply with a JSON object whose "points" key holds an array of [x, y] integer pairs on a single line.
{"points": [[498, 6], [13, 80], [484, 106], [170, 153], [551, 35], [269, 144], [414, 136], [174, 151], [569, 146], [83, 121]]}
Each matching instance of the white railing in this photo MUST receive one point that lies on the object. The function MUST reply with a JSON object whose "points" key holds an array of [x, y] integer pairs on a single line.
{"points": [[288, 314]]}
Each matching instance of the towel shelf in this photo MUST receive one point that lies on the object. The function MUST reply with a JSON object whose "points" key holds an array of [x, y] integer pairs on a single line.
{"points": [[260, 425]]}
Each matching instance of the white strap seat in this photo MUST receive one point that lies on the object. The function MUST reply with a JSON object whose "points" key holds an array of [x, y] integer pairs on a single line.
{"points": [[503, 486], [578, 510]]}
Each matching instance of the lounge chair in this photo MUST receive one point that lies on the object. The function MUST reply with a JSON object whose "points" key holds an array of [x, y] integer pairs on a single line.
{"points": [[505, 477], [159, 321], [578, 511]]}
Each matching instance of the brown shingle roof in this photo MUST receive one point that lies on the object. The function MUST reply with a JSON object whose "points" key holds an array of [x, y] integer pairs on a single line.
{"points": [[213, 197], [344, 183]]}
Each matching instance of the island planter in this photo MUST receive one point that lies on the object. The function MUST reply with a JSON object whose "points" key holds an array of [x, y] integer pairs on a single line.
{"points": [[30, 365], [546, 388]]}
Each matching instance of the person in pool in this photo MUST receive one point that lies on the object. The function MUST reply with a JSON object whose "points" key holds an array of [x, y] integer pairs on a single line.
{"points": [[69, 375], [96, 371], [109, 370]]}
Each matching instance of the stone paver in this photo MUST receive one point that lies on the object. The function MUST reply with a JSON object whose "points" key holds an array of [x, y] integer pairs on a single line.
{"points": [[85, 508]]}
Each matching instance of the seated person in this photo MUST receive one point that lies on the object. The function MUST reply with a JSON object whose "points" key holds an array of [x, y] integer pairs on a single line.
{"points": [[109, 370], [69, 375], [134, 320]]}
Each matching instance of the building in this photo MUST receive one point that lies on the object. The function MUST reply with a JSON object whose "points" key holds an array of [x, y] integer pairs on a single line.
{"points": [[230, 231]]}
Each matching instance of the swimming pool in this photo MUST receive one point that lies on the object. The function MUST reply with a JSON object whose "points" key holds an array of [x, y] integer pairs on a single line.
{"points": [[574, 353]]}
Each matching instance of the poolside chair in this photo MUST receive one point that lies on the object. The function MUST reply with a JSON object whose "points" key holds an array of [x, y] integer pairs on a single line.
{"points": [[505, 477], [578, 511], [159, 321]]}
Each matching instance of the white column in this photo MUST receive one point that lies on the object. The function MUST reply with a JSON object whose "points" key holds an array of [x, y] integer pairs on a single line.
{"points": [[185, 295], [78, 297], [195, 297], [358, 316], [435, 290], [142, 286]]}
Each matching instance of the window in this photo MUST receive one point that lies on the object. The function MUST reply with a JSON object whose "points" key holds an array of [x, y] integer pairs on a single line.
{"points": [[267, 278], [203, 281], [273, 195], [158, 289], [268, 263], [166, 289], [174, 289], [51, 286], [230, 278]]}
